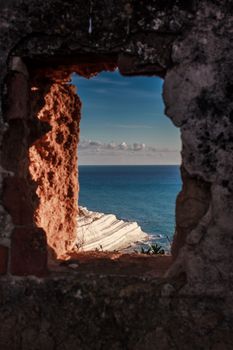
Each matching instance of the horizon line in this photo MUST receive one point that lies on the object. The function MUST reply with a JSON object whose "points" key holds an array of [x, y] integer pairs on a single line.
{"points": [[176, 164]]}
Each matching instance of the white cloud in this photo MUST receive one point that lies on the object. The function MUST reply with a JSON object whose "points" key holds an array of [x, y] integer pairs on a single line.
{"points": [[99, 90], [132, 126], [111, 145], [108, 86], [123, 146], [99, 79], [139, 146], [104, 80], [96, 152]]}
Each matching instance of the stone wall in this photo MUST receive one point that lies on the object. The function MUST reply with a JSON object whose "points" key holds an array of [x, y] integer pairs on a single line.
{"points": [[189, 44], [110, 312], [24, 243]]}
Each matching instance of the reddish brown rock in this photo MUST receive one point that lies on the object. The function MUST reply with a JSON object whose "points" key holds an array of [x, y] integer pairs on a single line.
{"points": [[3, 260], [28, 252], [60, 69], [53, 166], [111, 263]]}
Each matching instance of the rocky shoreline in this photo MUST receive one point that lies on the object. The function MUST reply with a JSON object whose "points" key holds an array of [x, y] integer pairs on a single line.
{"points": [[105, 232]]}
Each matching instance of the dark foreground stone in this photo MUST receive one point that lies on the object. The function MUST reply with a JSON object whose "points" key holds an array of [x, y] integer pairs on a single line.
{"points": [[70, 311]]}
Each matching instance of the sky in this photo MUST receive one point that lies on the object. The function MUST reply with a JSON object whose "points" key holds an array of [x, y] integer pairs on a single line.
{"points": [[123, 121]]}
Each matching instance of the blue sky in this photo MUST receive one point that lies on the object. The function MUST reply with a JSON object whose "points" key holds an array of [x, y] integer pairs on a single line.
{"points": [[123, 121]]}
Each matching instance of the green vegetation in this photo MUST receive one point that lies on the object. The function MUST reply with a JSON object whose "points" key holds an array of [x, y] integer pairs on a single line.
{"points": [[153, 249]]}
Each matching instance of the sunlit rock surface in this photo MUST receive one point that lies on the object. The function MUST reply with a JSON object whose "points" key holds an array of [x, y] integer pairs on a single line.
{"points": [[106, 232], [53, 161]]}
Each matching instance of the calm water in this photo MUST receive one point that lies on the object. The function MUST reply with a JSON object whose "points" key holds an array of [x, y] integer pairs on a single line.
{"points": [[145, 194]]}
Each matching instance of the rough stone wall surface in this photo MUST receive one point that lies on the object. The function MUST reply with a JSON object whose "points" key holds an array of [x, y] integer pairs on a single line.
{"points": [[53, 166], [192, 204], [189, 43], [88, 312], [198, 99], [26, 243]]}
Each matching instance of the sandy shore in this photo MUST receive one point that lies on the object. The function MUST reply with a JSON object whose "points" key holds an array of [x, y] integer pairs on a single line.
{"points": [[106, 232]]}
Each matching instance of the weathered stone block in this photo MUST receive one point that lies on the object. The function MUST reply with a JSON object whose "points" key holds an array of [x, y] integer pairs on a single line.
{"points": [[17, 201], [3, 260], [28, 252], [191, 205], [17, 101], [15, 152]]}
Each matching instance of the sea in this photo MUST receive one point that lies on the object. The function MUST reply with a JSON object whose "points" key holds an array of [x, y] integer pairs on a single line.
{"points": [[145, 194]]}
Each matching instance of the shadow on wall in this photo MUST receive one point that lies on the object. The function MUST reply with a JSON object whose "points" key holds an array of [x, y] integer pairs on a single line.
{"points": [[40, 148]]}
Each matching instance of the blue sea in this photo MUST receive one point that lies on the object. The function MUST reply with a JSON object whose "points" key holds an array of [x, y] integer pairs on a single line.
{"points": [[145, 194]]}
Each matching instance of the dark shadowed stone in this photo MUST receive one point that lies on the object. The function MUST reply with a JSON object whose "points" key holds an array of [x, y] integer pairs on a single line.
{"points": [[191, 205], [18, 201], [3, 259], [28, 252], [17, 99]]}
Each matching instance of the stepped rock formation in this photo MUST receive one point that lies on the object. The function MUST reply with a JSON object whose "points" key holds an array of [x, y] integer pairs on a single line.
{"points": [[105, 232], [189, 44]]}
